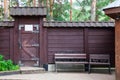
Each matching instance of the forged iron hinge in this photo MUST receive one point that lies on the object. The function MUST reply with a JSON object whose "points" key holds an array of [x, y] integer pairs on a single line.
{"points": [[35, 31], [20, 27], [37, 27]]}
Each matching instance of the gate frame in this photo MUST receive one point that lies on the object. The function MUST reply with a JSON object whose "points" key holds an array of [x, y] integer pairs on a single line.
{"points": [[29, 20], [20, 43]]}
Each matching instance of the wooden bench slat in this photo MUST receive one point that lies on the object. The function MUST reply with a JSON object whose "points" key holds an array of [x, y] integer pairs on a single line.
{"points": [[70, 57], [71, 62], [68, 54], [97, 63]]}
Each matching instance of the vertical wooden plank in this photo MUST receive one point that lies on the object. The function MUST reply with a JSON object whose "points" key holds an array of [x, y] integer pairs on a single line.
{"points": [[86, 41], [4, 42], [86, 46], [11, 43], [45, 46], [16, 51], [41, 42]]}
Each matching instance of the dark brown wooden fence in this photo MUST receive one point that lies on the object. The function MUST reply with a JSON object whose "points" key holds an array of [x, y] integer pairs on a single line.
{"points": [[6, 42], [101, 40], [77, 37], [54, 36], [82, 40], [64, 39]]}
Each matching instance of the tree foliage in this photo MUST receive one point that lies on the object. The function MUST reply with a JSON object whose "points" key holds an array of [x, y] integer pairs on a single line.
{"points": [[59, 10], [1, 13], [100, 14], [82, 13]]}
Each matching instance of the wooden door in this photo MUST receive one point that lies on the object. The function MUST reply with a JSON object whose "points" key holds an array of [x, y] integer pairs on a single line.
{"points": [[29, 45]]}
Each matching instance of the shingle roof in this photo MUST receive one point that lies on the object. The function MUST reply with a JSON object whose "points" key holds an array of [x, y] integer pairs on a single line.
{"points": [[114, 4], [28, 11], [6, 23], [64, 24], [77, 24]]}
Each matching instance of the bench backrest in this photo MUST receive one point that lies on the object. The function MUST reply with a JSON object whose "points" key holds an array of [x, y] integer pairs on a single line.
{"points": [[69, 57], [99, 58]]}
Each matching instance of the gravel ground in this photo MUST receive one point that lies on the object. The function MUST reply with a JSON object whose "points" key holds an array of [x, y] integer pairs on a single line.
{"points": [[60, 76]]}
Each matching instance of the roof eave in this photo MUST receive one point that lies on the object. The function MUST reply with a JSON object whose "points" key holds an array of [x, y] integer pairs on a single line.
{"points": [[7, 24], [77, 24], [28, 11], [113, 12]]}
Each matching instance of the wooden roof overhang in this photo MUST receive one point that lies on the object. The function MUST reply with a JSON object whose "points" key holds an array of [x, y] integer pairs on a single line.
{"points": [[77, 24], [64, 24], [7, 24], [113, 10], [28, 11]]}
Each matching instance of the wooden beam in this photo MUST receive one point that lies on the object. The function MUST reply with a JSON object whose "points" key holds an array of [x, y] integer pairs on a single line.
{"points": [[11, 44], [117, 49], [41, 34], [15, 42], [45, 46], [86, 41]]}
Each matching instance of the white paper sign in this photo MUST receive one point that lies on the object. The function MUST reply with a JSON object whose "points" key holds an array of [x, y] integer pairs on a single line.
{"points": [[28, 27]]}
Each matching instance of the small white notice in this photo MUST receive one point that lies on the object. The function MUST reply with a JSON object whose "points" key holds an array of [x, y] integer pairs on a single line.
{"points": [[28, 27]]}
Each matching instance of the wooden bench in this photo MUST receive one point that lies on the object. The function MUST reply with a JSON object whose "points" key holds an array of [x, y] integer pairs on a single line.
{"points": [[99, 59], [70, 58]]}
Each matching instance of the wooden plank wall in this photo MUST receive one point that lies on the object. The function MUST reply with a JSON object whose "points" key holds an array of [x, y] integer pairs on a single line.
{"points": [[6, 48], [64, 39], [94, 40], [101, 40], [89, 40]]}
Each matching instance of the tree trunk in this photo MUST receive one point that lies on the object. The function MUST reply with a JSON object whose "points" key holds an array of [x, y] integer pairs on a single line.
{"points": [[47, 3], [41, 2], [34, 3], [5, 10], [93, 10], [70, 10], [51, 9]]}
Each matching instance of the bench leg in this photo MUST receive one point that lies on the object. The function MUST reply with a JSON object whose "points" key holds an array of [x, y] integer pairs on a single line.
{"points": [[109, 69], [89, 68], [86, 67], [55, 67]]}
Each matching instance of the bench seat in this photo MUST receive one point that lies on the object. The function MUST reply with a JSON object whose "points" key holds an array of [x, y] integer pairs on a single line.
{"points": [[70, 58]]}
